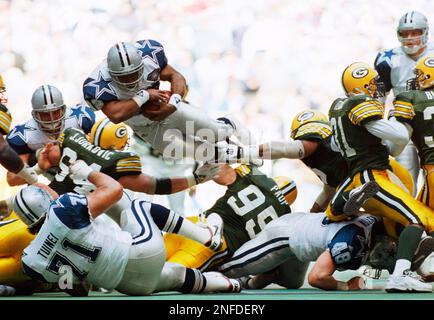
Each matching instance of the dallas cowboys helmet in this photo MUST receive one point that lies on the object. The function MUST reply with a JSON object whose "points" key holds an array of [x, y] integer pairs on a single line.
{"points": [[49, 110], [31, 204], [413, 20], [125, 65]]}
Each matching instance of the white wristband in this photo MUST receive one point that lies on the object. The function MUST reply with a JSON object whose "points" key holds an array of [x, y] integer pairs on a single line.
{"points": [[141, 97], [250, 153], [37, 169], [175, 100]]}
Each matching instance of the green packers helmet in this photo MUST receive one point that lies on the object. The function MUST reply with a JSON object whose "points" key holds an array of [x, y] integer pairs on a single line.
{"points": [[109, 135], [424, 74], [288, 188], [304, 117], [360, 78]]}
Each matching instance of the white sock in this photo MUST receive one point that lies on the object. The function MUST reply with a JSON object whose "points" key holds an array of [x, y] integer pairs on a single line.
{"points": [[400, 266], [194, 232]]}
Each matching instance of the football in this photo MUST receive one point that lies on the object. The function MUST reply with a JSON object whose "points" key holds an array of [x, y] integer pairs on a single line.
{"points": [[155, 105]]}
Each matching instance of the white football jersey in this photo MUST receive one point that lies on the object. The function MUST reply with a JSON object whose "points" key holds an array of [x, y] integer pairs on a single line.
{"points": [[70, 237], [28, 137], [99, 87], [311, 234], [395, 67]]}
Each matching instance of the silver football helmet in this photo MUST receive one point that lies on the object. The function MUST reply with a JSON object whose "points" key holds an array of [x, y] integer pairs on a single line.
{"points": [[31, 204], [413, 20], [49, 111], [125, 65], [381, 257]]}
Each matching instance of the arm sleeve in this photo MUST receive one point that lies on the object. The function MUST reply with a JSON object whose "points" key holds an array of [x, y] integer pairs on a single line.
{"points": [[5, 120], [283, 149], [403, 109], [393, 131]]}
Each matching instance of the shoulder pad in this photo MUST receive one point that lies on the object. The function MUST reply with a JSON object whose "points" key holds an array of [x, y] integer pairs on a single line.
{"points": [[71, 209], [5, 120], [313, 131], [364, 109]]}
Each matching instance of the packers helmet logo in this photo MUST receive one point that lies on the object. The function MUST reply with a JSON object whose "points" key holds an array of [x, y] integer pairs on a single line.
{"points": [[305, 116], [360, 72], [429, 62], [121, 132]]}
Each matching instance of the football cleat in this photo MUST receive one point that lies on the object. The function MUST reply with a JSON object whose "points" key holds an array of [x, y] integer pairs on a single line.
{"points": [[6, 291], [359, 196], [409, 281], [425, 248], [215, 227]]}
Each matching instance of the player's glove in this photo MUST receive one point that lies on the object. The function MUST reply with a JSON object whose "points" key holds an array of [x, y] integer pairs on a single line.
{"points": [[206, 172], [80, 170], [29, 174], [227, 153]]}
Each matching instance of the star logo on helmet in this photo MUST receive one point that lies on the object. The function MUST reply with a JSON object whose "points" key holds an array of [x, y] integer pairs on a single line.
{"points": [[21, 132], [148, 51], [102, 85]]}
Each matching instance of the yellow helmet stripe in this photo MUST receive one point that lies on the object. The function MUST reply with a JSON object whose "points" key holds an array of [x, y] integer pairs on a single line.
{"points": [[290, 187]]}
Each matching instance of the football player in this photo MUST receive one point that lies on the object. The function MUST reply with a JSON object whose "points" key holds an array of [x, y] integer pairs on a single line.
{"points": [[359, 131], [414, 108], [251, 201], [129, 260], [312, 144], [125, 86], [50, 116], [395, 66], [9, 159], [125, 167], [302, 238]]}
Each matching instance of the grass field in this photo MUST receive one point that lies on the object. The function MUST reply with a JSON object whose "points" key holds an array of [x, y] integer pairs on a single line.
{"points": [[266, 294]]}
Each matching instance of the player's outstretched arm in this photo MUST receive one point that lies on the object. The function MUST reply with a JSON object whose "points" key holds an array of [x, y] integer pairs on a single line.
{"points": [[297, 149], [178, 84], [121, 110], [108, 190], [151, 185], [321, 275], [10, 160]]}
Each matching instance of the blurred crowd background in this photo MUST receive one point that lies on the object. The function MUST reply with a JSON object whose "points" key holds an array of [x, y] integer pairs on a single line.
{"points": [[262, 60]]}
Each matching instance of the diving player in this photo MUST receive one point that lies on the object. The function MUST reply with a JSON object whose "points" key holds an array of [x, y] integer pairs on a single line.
{"points": [[359, 131], [129, 260], [50, 116], [125, 87], [395, 66]]}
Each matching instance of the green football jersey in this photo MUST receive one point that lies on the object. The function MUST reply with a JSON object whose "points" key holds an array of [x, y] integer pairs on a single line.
{"points": [[327, 164], [416, 108], [75, 146], [249, 203], [361, 149], [5, 120]]}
